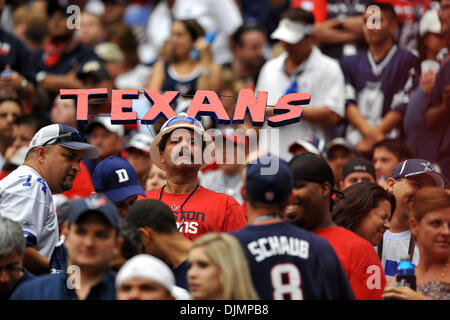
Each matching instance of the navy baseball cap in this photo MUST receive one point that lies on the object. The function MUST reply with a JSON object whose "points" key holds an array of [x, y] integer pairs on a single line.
{"points": [[268, 188], [116, 178], [358, 164], [65, 136], [95, 203], [414, 167], [311, 168]]}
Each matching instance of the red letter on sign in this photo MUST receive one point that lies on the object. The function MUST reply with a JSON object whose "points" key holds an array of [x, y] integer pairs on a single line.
{"points": [[256, 106], [287, 109], [160, 105], [81, 97], [120, 103], [213, 107]]}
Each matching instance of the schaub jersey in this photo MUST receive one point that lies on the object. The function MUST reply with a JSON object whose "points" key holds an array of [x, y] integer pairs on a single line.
{"points": [[26, 199], [289, 263], [377, 88]]}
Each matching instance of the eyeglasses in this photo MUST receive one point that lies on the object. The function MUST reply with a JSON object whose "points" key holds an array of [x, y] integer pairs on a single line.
{"points": [[76, 136]]}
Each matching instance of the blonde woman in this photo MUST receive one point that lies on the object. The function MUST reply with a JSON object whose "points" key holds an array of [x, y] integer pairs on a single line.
{"points": [[218, 269], [430, 225]]}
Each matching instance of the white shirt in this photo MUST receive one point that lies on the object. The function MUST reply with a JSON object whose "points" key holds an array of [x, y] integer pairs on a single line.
{"points": [[157, 32], [217, 181], [135, 78], [321, 77], [395, 246], [213, 15], [26, 199]]}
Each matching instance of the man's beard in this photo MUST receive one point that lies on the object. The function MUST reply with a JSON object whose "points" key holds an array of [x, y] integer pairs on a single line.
{"points": [[67, 183]]}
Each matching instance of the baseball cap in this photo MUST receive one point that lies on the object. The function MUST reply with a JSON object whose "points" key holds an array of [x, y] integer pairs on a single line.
{"points": [[65, 136], [118, 129], [358, 164], [141, 141], [182, 120], [342, 143], [95, 203], [116, 178], [414, 167], [311, 144], [144, 266], [268, 188], [430, 23], [291, 32], [110, 52], [93, 68], [63, 206], [311, 168]]}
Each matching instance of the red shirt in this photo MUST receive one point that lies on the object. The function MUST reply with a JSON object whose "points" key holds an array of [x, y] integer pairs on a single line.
{"points": [[359, 261], [205, 211], [82, 185]]}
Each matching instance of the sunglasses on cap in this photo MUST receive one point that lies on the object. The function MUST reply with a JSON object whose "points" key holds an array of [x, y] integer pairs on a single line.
{"points": [[74, 136], [188, 119]]}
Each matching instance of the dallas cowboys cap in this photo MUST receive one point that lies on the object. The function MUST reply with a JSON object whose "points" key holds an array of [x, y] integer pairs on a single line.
{"points": [[414, 167], [95, 203], [65, 136], [268, 188], [117, 179]]}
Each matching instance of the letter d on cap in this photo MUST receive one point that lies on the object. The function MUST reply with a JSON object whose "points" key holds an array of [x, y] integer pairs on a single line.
{"points": [[123, 175]]}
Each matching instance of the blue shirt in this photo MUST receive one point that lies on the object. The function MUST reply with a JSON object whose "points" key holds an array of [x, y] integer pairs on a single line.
{"points": [[14, 53], [436, 99], [289, 263], [180, 274], [54, 287], [58, 260], [26, 276]]}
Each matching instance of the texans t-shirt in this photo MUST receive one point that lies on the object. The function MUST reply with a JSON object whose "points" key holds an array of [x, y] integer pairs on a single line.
{"points": [[205, 211]]}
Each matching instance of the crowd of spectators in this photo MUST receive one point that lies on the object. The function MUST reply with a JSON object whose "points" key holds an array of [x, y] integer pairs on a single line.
{"points": [[363, 177]]}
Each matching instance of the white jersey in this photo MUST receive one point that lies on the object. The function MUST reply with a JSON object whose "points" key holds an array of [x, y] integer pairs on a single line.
{"points": [[395, 246], [319, 76], [26, 198]]}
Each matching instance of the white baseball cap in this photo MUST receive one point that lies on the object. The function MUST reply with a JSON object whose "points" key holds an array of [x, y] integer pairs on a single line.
{"points": [[291, 32], [144, 266], [141, 141], [118, 129], [182, 120], [65, 136], [430, 23]]}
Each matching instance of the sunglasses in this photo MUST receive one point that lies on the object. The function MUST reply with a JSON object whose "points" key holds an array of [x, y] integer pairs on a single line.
{"points": [[74, 136], [187, 119]]}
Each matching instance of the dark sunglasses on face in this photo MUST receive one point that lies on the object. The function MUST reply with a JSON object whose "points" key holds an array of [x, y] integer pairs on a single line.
{"points": [[74, 136]]}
